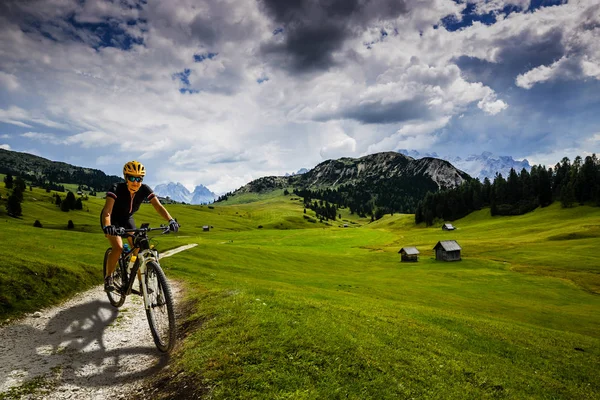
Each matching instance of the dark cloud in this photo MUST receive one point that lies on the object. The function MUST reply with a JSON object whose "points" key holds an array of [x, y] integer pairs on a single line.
{"points": [[383, 113], [517, 55], [314, 29]]}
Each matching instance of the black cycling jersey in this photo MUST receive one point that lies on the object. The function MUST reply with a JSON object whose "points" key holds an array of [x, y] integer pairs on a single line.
{"points": [[125, 204]]}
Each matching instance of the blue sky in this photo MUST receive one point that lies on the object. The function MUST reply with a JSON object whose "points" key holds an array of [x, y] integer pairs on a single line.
{"points": [[222, 92]]}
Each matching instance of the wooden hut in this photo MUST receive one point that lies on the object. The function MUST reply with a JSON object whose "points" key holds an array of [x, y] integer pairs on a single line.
{"points": [[205, 228], [447, 250], [410, 254], [448, 227]]}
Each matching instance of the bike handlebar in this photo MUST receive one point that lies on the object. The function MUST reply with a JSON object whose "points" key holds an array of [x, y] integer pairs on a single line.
{"points": [[128, 232]]}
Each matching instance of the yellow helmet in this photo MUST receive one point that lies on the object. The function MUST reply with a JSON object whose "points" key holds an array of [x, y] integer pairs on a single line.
{"points": [[134, 168]]}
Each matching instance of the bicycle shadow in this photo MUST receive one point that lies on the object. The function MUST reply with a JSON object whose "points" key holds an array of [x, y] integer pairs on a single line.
{"points": [[74, 343]]}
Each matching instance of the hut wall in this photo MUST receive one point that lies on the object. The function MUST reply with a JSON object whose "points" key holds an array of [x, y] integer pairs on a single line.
{"points": [[439, 253]]}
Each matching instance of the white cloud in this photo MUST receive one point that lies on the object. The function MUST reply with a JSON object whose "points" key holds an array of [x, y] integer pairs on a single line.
{"points": [[399, 91], [415, 136], [338, 144], [93, 139], [488, 6], [5, 146], [19, 116], [490, 105], [43, 137], [9, 81]]}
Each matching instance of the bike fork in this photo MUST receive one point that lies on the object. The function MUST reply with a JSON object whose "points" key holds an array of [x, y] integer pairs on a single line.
{"points": [[144, 289]]}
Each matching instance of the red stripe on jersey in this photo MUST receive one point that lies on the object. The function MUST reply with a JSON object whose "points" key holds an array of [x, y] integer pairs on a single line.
{"points": [[111, 194]]}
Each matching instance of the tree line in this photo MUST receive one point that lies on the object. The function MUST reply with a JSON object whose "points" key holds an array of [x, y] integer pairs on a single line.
{"points": [[569, 183], [389, 196], [17, 186]]}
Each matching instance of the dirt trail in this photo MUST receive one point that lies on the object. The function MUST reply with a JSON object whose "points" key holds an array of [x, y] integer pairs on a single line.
{"points": [[82, 349]]}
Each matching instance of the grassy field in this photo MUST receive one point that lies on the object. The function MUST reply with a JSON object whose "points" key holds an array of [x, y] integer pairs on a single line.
{"points": [[306, 310]]}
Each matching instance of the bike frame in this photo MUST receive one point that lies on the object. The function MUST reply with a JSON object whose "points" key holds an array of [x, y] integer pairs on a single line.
{"points": [[143, 258]]}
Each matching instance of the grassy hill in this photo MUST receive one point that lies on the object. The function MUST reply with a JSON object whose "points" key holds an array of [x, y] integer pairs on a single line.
{"points": [[305, 310]]}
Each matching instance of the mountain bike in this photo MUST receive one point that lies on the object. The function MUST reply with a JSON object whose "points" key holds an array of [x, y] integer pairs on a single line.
{"points": [[153, 285]]}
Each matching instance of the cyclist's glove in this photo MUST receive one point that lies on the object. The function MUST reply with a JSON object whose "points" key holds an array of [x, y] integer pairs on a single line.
{"points": [[110, 230], [173, 225]]}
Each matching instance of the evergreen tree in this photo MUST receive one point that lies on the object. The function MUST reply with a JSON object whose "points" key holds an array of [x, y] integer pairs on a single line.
{"points": [[78, 204], [64, 206], [18, 193], [567, 196], [70, 200], [8, 181], [57, 200], [13, 206], [20, 184]]}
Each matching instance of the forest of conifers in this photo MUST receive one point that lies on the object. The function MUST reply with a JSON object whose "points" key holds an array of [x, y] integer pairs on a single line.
{"points": [[520, 192], [569, 183]]}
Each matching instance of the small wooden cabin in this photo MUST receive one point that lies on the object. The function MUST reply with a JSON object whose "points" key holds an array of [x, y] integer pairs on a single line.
{"points": [[409, 254], [448, 227], [447, 250], [205, 228]]}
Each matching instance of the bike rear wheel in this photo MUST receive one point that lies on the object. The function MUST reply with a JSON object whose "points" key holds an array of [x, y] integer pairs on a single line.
{"points": [[115, 297], [160, 310]]}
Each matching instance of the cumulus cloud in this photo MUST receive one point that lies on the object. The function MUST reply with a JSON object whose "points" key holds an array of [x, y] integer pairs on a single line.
{"points": [[336, 143], [579, 37], [223, 91], [490, 105], [9, 81], [419, 135], [5, 146]]}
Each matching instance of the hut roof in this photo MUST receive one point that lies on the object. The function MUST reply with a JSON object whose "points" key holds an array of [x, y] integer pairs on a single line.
{"points": [[448, 226], [409, 250], [448, 245]]}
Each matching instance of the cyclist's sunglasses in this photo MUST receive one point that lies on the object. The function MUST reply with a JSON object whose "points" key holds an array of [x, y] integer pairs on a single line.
{"points": [[135, 178]]}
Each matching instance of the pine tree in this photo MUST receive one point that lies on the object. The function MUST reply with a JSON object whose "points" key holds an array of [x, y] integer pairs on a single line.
{"points": [[13, 206], [20, 184], [8, 181], [70, 200], [64, 206]]}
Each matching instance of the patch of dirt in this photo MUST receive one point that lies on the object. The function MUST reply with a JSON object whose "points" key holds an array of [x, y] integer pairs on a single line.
{"points": [[82, 349]]}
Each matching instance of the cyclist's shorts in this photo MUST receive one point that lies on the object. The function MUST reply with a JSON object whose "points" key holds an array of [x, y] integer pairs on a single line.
{"points": [[126, 222]]}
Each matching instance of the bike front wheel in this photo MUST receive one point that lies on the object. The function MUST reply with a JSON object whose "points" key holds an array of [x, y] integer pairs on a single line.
{"points": [[160, 308], [115, 297]]}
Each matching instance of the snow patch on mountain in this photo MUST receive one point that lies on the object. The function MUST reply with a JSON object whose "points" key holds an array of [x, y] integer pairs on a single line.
{"points": [[486, 165], [299, 172], [179, 193]]}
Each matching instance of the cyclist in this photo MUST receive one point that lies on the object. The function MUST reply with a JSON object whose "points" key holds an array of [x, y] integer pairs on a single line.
{"points": [[122, 201]]}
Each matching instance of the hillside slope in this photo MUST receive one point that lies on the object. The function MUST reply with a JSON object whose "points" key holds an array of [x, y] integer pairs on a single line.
{"points": [[39, 170]]}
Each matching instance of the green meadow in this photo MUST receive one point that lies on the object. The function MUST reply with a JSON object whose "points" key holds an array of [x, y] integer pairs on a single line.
{"points": [[281, 306]]}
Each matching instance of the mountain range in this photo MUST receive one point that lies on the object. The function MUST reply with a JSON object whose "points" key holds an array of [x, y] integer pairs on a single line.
{"points": [[486, 165], [178, 192], [390, 178]]}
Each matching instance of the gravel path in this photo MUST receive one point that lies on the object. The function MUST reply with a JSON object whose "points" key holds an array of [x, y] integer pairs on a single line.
{"points": [[82, 349]]}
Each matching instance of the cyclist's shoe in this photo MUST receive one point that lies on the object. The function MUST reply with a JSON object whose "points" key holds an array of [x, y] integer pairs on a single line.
{"points": [[109, 284]]}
